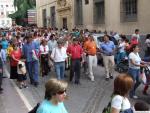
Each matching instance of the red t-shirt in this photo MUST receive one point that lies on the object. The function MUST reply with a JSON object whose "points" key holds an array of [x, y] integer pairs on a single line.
{"points": [[75, 51], [17, 55]]}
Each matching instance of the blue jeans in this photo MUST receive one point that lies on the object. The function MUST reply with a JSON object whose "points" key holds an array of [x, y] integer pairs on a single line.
{"points": [[60, 69], [120, 56], [33, 70], [134, 73]]}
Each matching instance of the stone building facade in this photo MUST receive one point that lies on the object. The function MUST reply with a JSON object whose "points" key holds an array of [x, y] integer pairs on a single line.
{"points": [[123, 16]]}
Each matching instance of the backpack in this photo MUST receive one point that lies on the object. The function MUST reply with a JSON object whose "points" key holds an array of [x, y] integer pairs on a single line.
{"points": [[35, 108], [108, 108]]}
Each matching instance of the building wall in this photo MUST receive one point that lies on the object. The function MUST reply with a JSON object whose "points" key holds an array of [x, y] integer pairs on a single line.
{"points": [[112, 16], [6, 7], [44, 4]]}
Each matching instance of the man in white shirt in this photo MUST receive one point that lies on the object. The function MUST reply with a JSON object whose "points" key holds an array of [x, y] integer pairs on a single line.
{"points": [[59, 56]]}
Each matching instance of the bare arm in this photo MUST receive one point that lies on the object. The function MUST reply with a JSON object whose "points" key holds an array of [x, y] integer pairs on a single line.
{"points": [[114, 110]]}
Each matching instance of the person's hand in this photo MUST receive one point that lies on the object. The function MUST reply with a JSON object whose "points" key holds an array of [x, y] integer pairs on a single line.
{"points": [[143, 65]]}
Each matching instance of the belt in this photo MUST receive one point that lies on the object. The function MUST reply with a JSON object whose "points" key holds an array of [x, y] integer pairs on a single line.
{"points": [[92, 54]]}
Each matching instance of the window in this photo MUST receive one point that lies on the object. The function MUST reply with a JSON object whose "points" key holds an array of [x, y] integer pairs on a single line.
{"points": [[99, 12], [53, 17], [1, 6], [44, 18], [86, 2], [129, 10], [78, 12]]}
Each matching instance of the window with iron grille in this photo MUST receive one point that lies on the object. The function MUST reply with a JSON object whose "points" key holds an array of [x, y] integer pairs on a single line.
{"points": [[99, 12], [86, 2], [53, 16], [129, 10], [44, 18], [78, 12]]}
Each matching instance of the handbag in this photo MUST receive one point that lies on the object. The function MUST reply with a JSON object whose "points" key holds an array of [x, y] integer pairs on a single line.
{"points": [[35, 108], [142, 77]]}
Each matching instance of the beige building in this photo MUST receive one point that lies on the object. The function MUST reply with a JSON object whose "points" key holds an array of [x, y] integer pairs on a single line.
{"points": [[123, 16], [54, 13]]}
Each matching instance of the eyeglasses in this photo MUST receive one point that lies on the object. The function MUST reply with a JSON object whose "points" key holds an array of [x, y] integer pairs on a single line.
{"points": [[61, 92]]}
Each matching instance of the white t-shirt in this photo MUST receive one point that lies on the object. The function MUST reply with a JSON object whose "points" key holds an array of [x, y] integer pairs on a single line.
{"points": [[59, 54], [122, 47], [44, 50], [147, 42], [120, 103], [136, 35], [136, 58]]}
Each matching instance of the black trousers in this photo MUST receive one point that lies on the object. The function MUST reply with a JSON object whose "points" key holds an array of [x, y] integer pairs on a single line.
{"points": [[75, 70], [1, 77], [44, 64]]}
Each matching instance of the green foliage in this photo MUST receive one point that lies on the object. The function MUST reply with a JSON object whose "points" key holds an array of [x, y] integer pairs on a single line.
{"points": [[22, 7]]}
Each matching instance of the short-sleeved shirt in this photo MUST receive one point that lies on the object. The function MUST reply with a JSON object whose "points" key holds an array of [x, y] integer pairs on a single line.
{"points": [[17, 55], [120, 103], [75, 51], [59, 54], [90, 47], [47, 107], [136, 58], [107, 47]]}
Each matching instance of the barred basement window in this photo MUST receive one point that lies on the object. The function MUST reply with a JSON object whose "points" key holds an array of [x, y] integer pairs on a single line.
{"points": [[99, 12], [86, 2], [129, 10], [78, 12]]}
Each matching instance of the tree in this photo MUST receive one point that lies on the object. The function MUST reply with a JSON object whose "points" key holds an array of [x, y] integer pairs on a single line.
{"points": [[22, 6]]}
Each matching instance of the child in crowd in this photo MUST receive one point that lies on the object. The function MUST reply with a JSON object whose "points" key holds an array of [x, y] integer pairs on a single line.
{"points": [[21, 70]]}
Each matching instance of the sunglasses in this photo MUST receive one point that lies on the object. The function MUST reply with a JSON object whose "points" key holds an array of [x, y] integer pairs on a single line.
{"points": [[61, 92]]}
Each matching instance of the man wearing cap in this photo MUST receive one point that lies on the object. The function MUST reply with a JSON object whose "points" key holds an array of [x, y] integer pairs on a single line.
{"points": [[59, 56], [75, 52], [90, 50]]}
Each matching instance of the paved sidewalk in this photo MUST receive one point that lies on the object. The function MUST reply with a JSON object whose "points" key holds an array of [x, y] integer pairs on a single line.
{"points": [[89, 97]]}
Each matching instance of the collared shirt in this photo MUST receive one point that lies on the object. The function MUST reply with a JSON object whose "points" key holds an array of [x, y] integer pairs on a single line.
{"points": [[90, 47], [4, 44], [59, 54], [51, 44], [44, 49], [75, 51], [28, 51], [107, 47]]}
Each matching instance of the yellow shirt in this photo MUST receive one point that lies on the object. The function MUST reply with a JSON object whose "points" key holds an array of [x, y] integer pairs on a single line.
{"points": [[9, 50]]}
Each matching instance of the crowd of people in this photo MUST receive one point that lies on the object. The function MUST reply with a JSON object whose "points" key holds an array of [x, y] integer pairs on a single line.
{"points": [[35, 51]]}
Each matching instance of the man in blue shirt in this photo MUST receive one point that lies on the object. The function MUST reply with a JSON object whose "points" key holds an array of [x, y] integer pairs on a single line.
{"points": [[108, 48], [30, 52]]}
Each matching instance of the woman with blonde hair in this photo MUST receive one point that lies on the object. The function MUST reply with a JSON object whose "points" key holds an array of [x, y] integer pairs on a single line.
{"points": [[120, 103], [55, 94]]}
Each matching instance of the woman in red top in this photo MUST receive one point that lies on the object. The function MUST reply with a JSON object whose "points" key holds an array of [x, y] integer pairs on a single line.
{"points": [[15, 56]]}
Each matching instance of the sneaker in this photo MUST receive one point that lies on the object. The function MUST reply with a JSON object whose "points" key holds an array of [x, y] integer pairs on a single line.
{"points": [[107, 79], [25, 86], [92, 78], [20, 87], [1, 89], [135, 97], [111, 77]]}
